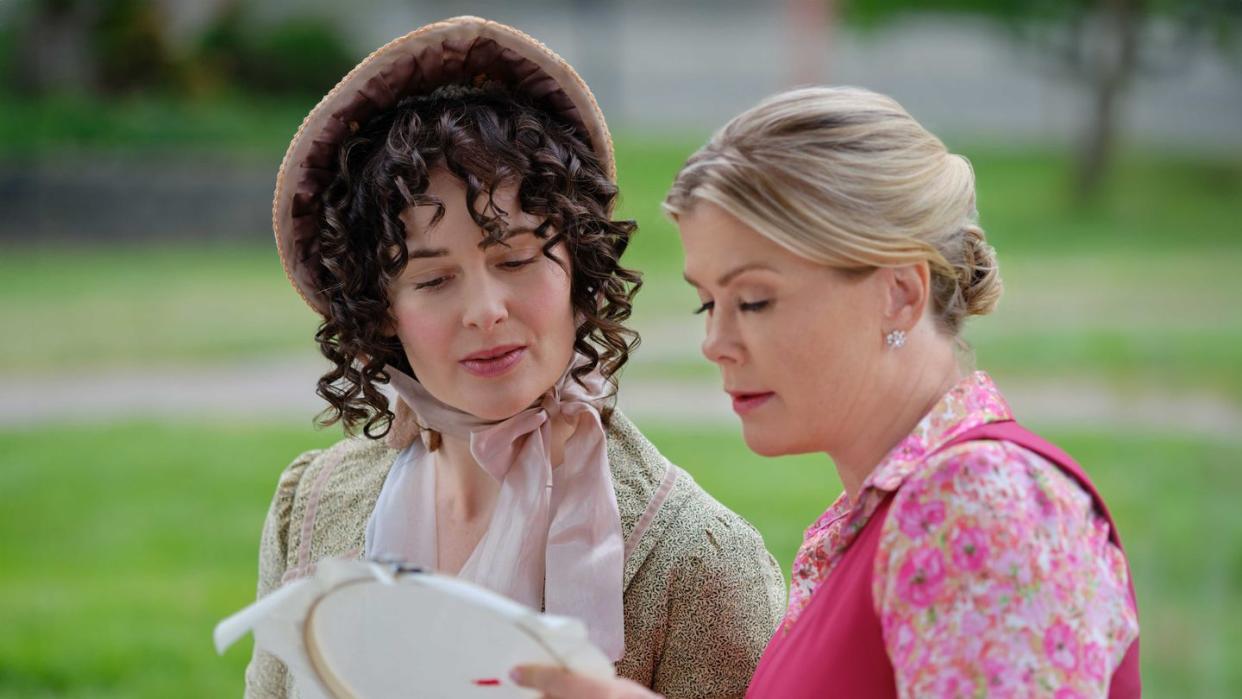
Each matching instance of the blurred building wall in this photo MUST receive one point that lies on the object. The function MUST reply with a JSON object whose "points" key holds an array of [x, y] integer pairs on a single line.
{"points": [[657, 67], [676, 64]]}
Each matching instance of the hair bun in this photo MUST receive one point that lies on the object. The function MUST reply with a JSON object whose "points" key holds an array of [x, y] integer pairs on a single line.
{"points": [[981, 284]]}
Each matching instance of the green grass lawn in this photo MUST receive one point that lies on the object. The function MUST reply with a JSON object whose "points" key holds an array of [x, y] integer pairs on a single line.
{"points": [[1169, 321], [1140, 287], [124, 544]]}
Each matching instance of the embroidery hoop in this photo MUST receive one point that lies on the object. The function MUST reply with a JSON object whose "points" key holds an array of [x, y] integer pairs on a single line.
{"points": [[369, 630]]}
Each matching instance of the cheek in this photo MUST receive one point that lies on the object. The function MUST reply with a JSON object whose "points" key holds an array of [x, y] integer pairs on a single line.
{"points": [[824, 352], [546, 301], [425, 335]]}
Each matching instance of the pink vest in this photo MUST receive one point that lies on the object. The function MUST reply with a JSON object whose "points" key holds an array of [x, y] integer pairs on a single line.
{"points": [[837, 647]]}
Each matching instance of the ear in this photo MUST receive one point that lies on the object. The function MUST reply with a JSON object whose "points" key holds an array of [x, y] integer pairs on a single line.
{"points": [[907, 290]]}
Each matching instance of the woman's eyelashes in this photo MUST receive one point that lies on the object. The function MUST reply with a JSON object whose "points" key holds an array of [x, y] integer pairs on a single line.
{"points": [[517, 264], [744, 306], [432, 283]]}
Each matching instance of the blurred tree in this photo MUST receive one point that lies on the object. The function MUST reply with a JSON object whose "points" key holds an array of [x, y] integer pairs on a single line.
{"points": [[1099, 44], [105, 46], [220, 48], [120, 46], [299, 56], [8, 60], [49, 50], [130, 48]]}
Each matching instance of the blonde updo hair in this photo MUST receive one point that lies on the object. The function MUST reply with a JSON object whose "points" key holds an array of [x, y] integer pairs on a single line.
{"points": [[847, 178]]}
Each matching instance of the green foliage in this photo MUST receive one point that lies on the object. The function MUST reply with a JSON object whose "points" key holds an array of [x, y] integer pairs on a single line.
{"points": [[874, 13], [871, 14], [8, 58], [142, 123], [300, 56], [130, 49], [303, 56], [118, 46], [127, 51]]}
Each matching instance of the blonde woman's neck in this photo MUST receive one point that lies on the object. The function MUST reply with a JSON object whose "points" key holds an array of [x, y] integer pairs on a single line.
{"points": [[892, 411]]}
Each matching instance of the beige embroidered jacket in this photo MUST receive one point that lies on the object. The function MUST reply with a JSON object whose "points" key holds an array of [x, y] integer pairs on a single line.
{"points": [[702, 594]]}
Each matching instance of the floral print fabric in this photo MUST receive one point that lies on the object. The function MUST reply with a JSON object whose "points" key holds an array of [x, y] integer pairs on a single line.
{"points": [[994, 575]]}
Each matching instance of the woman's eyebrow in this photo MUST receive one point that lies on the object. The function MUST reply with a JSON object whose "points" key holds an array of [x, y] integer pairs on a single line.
{"points": [[418, 253], [510, 233], [729, 276], [518, 231]]}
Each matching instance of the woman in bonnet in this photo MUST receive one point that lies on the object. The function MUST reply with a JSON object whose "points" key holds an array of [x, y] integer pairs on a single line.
{"points": [[835, 246], [446, 209]]}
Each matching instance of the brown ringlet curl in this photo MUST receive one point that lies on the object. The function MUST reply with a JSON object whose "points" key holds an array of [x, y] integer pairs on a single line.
{"points": [[486, 137]]}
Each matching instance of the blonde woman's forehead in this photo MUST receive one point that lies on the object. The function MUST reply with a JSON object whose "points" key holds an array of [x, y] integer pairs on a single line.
{"points": [[719, 248]]}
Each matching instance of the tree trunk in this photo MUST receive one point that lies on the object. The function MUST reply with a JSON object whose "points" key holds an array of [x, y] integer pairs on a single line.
{"points": [[809, 33], [1108, 81], [53, 49]]}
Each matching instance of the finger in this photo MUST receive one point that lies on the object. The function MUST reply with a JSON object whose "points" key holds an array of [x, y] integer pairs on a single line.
{"points": [[557, 682], [545, 678]]}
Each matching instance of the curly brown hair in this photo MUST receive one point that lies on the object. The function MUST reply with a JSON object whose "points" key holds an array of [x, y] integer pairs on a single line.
{"points": [[486, 138]]}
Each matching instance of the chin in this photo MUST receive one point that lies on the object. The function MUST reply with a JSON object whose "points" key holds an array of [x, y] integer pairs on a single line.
{"points": [[492, 413], [496, 408], [499, 402], [766, 442]]}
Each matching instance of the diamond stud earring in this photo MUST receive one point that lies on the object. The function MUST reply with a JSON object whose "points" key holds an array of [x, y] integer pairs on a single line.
{"points": [[895, 339]]}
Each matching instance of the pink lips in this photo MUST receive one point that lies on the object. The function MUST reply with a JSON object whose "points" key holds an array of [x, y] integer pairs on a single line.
{"points": [[745, 402], [495, 361]]}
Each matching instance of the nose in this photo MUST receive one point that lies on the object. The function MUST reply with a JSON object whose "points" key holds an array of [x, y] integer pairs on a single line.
{"points": [[720, 344], [487, 303]]}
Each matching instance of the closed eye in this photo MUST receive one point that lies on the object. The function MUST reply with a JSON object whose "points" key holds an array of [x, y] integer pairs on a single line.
{"points": [[516, 264], [707, 306], [432, 284], [753, 306]]}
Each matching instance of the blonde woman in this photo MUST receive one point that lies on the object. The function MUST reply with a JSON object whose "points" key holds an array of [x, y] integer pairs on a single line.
{"points": [[835, 247]]}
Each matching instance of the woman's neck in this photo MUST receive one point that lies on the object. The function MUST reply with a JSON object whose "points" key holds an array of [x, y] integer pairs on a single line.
{"points": [[893, 412], [465, 491]]}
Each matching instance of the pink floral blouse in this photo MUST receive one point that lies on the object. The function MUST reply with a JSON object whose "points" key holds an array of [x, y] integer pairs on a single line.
{"points": [[994, 576]]}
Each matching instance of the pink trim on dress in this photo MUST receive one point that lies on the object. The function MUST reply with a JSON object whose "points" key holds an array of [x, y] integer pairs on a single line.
{"points": [[304, 566], [653, 507]]}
